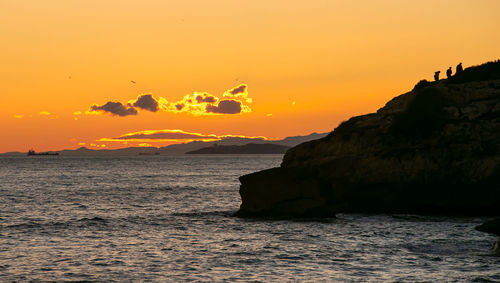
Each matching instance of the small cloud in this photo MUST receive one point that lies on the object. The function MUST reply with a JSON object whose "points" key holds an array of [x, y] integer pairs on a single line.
{"points": [[293, 102], [97, 145], [115, 108], [76, 113], [205, 97], [146, 102], [225, 107], [238, 92], [239, 89], [269, 115], [81, 143], [18, 116], [144, 145], [44, 113]]}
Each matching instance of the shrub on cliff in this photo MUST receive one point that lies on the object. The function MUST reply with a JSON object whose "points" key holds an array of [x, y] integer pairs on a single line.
{"points": [[421, 84]]}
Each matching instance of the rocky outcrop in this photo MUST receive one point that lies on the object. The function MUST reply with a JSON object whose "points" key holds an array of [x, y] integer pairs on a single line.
{"points": [[434, 150], [493, 227]]}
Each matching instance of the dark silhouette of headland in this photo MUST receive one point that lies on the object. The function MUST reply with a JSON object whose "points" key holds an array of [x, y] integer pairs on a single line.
{"points": [[492, 227], [433, 150]]}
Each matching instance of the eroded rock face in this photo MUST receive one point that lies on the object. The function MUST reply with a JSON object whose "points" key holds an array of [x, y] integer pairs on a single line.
{"points": [[493, 227], [287, 192], [433, 150]]}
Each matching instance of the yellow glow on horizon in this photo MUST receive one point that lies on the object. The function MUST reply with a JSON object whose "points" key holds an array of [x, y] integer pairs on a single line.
{"points": [[144, 137]]}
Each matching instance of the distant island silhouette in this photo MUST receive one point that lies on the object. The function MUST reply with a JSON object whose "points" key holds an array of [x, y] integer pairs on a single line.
{"points": [[251, 148], [433, 150]]}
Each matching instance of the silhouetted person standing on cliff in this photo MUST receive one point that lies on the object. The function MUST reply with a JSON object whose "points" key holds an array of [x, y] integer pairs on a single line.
{"points": [[448, 72], [459, 68], [436, 75]]}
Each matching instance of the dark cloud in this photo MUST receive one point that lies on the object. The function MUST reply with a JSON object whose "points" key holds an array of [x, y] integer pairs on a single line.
{"points": [[239, 89], [115, 108], [147, 102], [225, 107], [205, 98], [179, 106]]}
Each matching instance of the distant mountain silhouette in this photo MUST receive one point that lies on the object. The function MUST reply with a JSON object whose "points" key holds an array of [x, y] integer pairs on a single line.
{"points": [[190, 146], [182, 148], [251, 148]]}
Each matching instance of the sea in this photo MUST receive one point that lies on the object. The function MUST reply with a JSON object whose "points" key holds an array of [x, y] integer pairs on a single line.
{"points": [[169, 219]]}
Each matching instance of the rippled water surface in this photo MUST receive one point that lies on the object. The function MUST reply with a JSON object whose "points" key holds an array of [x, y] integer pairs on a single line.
{"points": [[166, 218]]}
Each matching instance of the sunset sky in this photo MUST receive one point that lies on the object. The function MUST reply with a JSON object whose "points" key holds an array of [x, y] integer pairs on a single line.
{"points": [[88, 73]]}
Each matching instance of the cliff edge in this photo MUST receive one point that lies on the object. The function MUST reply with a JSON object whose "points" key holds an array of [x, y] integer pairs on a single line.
{"points": [[433, 150]]}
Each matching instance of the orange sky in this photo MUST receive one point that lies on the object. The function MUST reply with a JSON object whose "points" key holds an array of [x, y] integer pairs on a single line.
{"points": [[308, 65]]}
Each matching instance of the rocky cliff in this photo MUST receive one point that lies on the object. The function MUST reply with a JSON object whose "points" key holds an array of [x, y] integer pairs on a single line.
{"points": [[433, 150], [493, 227]]}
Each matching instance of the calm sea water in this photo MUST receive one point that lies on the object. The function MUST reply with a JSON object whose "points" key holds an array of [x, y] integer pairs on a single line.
{"points": [[168, 218]]}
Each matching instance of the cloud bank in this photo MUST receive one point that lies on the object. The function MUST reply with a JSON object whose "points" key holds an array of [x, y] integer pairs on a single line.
{"points": [[168, 135], [233, 101]]}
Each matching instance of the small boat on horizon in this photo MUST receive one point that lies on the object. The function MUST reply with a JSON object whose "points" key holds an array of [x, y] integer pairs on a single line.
{"points": [[32, 152]]}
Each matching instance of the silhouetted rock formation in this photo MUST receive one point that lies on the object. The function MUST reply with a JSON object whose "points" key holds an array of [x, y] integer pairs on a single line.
{"points": [[433, 150], [251, 148], [493, 227]]}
